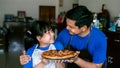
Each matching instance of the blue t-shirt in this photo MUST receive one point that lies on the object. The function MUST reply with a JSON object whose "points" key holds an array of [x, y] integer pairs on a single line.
{"points": [[29, 52], [97, 45]]}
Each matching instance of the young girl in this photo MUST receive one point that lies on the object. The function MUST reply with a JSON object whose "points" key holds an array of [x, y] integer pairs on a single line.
{"points": [[45, 37]]}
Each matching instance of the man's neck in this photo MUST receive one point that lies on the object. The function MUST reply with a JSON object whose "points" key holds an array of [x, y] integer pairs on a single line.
{"points": [[86, 32]]}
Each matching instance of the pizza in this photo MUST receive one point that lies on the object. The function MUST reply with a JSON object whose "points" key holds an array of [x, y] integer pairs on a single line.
{"points": [[59, 54]]}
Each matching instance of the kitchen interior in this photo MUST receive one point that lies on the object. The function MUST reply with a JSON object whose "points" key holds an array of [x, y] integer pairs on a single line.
{"points": [[17, 16]]}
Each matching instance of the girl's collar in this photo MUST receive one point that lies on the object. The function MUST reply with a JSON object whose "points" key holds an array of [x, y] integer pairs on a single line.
{"points": [[38, 46]]}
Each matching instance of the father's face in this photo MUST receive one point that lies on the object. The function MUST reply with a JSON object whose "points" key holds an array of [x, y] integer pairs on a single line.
{"points": [[72, 28]]}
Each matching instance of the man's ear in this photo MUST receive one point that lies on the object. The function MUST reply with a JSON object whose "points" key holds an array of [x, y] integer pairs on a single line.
{"points": [[84, 28]]}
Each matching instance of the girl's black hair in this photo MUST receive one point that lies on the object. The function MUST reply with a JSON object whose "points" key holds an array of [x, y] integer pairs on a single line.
{"points": [[38, 28], [41, 27]]}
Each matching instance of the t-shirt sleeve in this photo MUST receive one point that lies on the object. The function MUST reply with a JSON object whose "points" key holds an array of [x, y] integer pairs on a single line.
{"points": [[100, 52], [58, 45], [28, 65], [63, 37], [29, 52]]}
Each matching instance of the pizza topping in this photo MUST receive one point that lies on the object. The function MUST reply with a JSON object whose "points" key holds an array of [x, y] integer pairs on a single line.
{"points": [[58, 54]]}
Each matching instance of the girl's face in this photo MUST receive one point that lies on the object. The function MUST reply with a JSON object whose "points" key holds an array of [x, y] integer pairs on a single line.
{"points": [[47, 37]]}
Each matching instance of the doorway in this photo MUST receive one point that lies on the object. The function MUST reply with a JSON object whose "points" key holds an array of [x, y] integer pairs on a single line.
{"points": [[47, 13]]}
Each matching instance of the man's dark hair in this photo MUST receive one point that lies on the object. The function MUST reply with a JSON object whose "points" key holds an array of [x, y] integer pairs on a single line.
{"points": [[81, 15]]}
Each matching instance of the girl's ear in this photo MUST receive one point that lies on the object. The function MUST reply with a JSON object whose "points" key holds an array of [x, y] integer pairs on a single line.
{"points": [[38, 38]]}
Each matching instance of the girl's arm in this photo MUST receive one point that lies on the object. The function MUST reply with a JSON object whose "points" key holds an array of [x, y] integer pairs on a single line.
{"points": [[60, 65], [42, 63]]}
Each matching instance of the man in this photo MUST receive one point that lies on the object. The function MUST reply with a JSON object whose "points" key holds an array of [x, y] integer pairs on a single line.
{"points": [[90, 41]]}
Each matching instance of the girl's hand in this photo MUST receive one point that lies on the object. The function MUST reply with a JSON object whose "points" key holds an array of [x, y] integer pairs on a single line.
{"points": [[24, 59], [42, 63], [45, 61]]}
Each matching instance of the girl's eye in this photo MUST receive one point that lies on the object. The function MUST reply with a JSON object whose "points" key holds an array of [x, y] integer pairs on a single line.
{"points": [[47, 32]]}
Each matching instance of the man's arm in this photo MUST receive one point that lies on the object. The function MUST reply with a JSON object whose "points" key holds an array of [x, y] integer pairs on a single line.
{"points": [[85, 64]]}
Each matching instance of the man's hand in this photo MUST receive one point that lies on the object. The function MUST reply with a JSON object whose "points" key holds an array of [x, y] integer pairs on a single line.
{"points": [[71, 60], [24, 59]]}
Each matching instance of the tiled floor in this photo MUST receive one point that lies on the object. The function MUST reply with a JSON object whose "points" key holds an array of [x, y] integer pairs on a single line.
{"points": [[11, 58], [15, 47]]}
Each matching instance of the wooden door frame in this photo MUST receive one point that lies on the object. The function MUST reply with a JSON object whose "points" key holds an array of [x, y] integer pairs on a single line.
{"points": [[47, 6]]}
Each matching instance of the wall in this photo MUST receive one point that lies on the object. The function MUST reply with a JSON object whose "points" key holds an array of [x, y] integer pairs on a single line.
{"points": [[67, 5], [31, 7], [112, 6]]}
